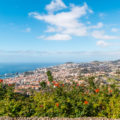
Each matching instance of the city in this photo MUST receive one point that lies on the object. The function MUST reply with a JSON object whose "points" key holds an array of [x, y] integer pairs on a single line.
{"points": [[67, 73]]}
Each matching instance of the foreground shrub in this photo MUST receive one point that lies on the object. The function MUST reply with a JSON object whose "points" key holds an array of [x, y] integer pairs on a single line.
{"points": [[62, 100]]}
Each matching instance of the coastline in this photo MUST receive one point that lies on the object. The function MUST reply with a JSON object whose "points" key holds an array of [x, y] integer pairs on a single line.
{"points": [[9, 70]]}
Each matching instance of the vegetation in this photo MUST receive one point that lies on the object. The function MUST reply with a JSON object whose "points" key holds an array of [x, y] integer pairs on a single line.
{"points": [[50, 77], [43, 84], [62, 100]]}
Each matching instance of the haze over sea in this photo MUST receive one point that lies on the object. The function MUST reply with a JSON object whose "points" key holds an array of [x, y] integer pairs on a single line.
{"points": [[6, 68]]}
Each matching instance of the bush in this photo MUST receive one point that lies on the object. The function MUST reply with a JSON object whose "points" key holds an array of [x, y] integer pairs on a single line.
{"points": [[62, 100]]}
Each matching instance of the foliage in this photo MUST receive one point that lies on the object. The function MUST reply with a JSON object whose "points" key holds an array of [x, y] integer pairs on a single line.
{"points": [[43, 84], [62, 100], [50, 77]]}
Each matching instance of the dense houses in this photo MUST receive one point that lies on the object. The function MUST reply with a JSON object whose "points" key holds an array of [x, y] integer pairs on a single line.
{"points": [[67, 73]]}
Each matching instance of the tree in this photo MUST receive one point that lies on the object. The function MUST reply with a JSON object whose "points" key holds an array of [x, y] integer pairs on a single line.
{"points": [[43, 84], [50, 77]]}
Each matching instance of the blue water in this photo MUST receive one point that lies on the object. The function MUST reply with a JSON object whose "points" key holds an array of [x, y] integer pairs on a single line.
{"points": [[6, 68]]}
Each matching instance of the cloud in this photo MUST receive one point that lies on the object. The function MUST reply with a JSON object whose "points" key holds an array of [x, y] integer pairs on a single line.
{"points": [[114, 30], [50, 29], [101, 15], [23, 52], [59, 56], [55, 5], [63, 19], [27, 30], [81, 30], [58, 37], [99, 25], [65, 22], [63, 25], [88, 22], [101, 35], [102, 43]]}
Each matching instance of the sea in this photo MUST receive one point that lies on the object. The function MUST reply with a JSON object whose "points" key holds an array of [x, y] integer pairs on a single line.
{"points": [[10, 69]]}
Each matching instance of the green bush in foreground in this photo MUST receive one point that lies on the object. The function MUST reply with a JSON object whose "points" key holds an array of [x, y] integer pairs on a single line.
{"points": [[62, 100]]}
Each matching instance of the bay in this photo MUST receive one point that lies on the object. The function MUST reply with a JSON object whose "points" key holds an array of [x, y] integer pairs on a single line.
{"points": [[12, 68]]}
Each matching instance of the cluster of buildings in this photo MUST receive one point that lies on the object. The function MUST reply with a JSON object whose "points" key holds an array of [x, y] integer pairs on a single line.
{"points": [[67, 73]]}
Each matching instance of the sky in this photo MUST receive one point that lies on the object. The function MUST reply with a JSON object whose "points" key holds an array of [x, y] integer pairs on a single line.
{"points": [[59, 30]]}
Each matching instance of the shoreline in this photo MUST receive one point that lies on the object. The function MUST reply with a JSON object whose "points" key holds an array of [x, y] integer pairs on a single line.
{"points": [[17, 73]]}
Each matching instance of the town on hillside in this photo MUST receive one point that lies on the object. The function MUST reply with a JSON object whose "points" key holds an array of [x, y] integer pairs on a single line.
{"points": [[104, 73]]}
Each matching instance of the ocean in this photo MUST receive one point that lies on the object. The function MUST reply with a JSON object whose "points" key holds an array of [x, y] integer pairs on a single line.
{"points": [[12, 68]]}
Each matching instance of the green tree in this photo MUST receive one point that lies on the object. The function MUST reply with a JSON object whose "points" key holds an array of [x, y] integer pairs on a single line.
{"points": [[43, 84], [50, 77]]}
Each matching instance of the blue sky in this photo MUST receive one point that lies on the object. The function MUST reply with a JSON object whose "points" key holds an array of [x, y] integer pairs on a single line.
{"points": [[59, 30]]}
